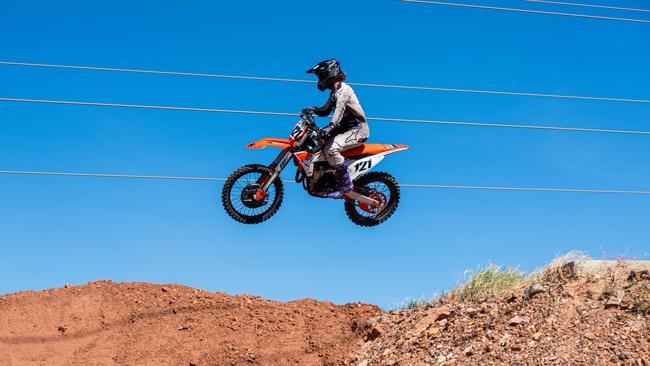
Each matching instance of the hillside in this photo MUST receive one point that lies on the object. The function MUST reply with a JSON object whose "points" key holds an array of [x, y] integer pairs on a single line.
{"points": [[563, 315], [105, 323]]}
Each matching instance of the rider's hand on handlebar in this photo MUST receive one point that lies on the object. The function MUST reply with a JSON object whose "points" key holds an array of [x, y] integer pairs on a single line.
{"points": [[308, 110], [325, 131]]}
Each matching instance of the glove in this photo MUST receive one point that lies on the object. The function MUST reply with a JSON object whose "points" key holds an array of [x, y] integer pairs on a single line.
{"points": [[308, 110], [326, 131]]}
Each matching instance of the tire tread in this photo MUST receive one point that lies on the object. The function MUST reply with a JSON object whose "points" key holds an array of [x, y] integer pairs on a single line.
{"points": [[385, 178], [227, 187]]}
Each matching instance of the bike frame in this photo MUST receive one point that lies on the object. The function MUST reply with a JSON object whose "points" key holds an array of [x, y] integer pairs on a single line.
{"points": [[369, 155]]}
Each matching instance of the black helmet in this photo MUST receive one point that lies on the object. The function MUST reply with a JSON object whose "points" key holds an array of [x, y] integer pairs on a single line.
{"points": [[327, 71]]}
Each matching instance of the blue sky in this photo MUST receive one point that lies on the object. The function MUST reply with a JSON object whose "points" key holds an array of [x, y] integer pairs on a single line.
{"points": [[73, 230]]}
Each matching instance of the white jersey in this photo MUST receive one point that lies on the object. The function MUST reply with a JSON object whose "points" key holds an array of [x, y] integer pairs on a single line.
{"points": [[347, 109]]}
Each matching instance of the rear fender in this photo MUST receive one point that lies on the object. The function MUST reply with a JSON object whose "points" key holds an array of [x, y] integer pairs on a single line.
{"points": [[361, 166], [272, 142]]}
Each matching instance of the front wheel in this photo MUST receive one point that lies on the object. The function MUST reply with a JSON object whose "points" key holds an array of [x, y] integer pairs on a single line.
{"points": [[241, 195], [379, 186]]}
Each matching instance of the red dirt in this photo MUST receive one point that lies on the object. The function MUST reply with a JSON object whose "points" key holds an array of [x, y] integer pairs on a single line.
{"points": [[105, 323], [602, 320]]}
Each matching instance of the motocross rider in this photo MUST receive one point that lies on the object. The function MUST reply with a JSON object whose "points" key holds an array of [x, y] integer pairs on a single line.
{"points": [[348, 127]]}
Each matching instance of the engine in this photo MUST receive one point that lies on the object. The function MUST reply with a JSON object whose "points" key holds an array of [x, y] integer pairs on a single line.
{"points": [[323, 179]]}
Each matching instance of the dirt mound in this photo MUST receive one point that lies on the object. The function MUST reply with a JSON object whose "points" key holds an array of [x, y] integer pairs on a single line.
{"points": [[593, 320], [554, 319], [105, 323]]}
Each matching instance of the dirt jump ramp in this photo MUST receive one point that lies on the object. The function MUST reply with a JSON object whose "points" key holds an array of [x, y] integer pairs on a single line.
{"points": [[105, 323]]}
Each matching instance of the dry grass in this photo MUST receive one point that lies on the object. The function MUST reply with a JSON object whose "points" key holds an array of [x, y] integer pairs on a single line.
{"points": [[642, 308], [489, 281], [556, 270], [493, 280], [411, 304]]}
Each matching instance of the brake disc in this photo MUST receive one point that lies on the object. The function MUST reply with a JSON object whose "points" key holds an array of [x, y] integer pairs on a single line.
{"points": [[374, 209], [248, 196]]}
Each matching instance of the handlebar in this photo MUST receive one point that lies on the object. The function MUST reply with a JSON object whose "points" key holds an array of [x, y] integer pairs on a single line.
{"points": [[308, 116]]}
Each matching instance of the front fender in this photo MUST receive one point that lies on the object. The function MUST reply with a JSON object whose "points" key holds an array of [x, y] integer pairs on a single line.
{"points": [[272, 142]]}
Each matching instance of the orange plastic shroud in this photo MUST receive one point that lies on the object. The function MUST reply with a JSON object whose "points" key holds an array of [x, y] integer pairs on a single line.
{"points": [[365, 149], [273, 142]]}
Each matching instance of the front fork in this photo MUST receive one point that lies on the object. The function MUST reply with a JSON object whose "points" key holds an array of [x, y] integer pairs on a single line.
{"points": [[277, 166]]}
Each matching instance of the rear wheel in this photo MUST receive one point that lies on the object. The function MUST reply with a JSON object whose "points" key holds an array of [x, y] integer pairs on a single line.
{"points": [[242, 199], [379, 186]]}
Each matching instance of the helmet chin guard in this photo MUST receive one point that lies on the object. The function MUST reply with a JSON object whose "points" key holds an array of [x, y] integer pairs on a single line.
{"points": [[328, 72]]}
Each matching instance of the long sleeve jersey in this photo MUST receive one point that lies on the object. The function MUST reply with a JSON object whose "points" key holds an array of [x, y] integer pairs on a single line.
{"points": [[347, 110]]}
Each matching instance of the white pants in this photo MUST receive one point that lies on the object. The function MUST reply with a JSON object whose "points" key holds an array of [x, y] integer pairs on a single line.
{"points": [[353, 137]]}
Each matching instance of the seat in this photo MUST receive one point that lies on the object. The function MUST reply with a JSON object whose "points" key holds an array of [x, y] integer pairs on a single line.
{"points": [[372, 149]]}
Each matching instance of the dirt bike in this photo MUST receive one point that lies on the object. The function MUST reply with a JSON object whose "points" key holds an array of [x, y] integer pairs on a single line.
{"points": [[253, 193]]}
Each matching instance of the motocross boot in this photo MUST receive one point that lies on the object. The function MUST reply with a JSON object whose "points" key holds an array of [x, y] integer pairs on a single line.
{"points": [[343, 182]]}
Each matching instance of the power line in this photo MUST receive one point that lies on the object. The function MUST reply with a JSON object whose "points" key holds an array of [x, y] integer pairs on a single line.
{"points": [[138, 106], [588, 5], [386, 119], [288, 80], [105, 175], [492, 188], [423, 186], [526, 11]]}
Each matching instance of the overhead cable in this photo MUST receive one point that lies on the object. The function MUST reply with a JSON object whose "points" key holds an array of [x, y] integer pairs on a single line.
{"points": [[588, 5], [526, 11], [386, 119], [424, 186], [288, 80]]}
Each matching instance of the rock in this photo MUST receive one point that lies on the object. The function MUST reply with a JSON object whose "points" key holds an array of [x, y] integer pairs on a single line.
{"points": [[614, 301], [537, 336], [163, 289], [638, 275], [533, 290], [468, 351], [637, 325], [251, 358], [487, 348], [472, 311], [505, 339], [516, 320], [372, 333], [432, 331], [443, 315], [67, 285], [363, 363], [62, 328]]}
